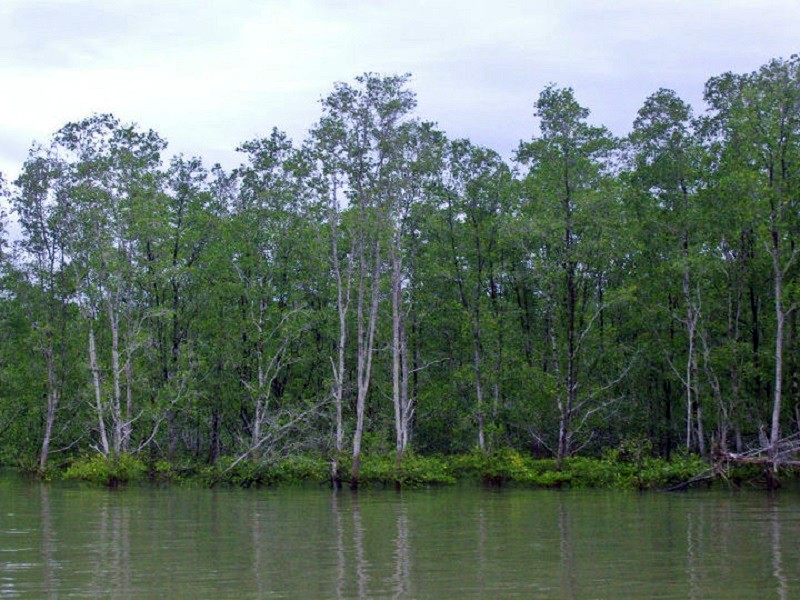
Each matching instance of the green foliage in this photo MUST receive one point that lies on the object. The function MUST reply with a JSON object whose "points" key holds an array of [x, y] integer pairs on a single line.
{"points": [[508, 466], [567, 293], [297, 469], [253, 473], [501, 468], [107, 471], [414, 471]]}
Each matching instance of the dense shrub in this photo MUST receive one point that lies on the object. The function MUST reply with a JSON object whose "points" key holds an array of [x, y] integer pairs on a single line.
{"points": [[107, 470]]}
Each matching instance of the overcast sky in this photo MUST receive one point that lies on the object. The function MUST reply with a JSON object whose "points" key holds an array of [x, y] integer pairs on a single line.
{"points": [[208, 75]]}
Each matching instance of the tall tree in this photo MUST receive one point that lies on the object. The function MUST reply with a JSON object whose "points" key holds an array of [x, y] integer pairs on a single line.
{"points": [[110, 169], [475, 184], [566, 180], [667, 160], [43, 209], [757, 118], [418, 166], [361, 137], [266, 232]]}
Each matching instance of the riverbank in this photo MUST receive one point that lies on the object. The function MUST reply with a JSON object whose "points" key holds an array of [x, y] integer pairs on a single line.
{"points": [[501, 468]]}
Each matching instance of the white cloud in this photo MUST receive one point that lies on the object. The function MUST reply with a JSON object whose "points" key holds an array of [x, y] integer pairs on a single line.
{"points": [[210, 75]]}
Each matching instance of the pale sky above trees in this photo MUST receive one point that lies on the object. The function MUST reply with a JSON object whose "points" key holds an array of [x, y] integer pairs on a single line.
{"points": [[209, 75]]}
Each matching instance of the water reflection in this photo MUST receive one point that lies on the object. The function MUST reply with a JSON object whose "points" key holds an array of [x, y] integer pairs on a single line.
{"points": [[60, 541], [566, 552], [341, 560], [48, 545], [358, 543], [777, 557], [109, 548], [481, 551], [691, 558], [259, 537], [360, 565], [402, 552]]}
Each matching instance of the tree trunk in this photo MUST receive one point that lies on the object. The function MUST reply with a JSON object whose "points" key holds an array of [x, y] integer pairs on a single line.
{"points": [[476, 366], [98, 397], [50, 417], [116, 404], [214, 442], [366, 344], [571, 387], [780, 315], [342, 307], [399, 363]]}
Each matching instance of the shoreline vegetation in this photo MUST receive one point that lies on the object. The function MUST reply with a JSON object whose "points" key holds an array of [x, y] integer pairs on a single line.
{"points": [[616, 469], [381, 304]]}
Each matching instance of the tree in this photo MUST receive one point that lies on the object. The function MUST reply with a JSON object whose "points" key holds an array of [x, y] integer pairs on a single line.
{"points": [[567, 183], [266, 233], [359, 136], [171, 231], [475, 184], [756, 121], [418, 167], [110, 170], [667, 161], [43, 208]]}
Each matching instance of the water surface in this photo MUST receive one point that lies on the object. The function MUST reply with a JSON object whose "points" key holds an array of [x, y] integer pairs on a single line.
{"points": [[71, 540]]}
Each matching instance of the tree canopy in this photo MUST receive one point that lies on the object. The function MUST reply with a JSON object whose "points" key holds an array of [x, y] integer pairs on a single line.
{"points": [[379, 287]]}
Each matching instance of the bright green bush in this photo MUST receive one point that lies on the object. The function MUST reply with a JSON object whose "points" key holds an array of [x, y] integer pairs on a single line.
{"points": [[502, 467], [107, 471]]}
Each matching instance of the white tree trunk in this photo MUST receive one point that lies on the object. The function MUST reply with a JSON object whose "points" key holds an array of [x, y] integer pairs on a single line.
{"points": [[116, 399], [366, 346], [98, 395], [780, 315]]}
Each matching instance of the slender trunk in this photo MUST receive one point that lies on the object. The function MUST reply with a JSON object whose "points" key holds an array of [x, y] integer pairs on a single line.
{"points": [[50, 417], [338, 391], [499, 320], [736, 294], [214, 436], [666, 448], [53, 397], [713, 380], [128, 425], [397, 300], [474, 315], [570, 391], [692, 403], [701, 441], [405, 401], [780, 315], [116, 405], [755, 341], [98, 398], [555, 367], [342, 307], [366, 344], [259, 413], [689, 401], [476, 366]]}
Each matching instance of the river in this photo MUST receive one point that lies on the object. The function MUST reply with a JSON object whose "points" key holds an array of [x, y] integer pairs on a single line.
{"points": [[73, 540]]}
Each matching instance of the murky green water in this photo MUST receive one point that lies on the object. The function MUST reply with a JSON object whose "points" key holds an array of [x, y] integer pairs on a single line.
{"points": [[62, 540]]}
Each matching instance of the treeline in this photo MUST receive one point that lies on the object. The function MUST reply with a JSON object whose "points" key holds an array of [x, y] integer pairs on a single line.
{"points": [[382, 288]]}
